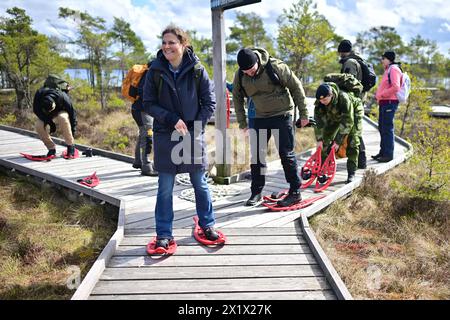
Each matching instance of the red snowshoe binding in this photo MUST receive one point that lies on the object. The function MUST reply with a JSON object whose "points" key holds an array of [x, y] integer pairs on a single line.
{"points": [[201, 237], [311, 168], [271, 202], [152, 250], [327, 172], [67, 156], [41, 157], [91, 181]]}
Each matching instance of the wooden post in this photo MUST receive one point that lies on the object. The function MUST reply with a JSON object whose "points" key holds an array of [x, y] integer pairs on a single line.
{"points": [[219, 63]]}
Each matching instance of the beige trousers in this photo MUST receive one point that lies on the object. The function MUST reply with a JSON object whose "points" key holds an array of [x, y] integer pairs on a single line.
{"points": [[62, 121]]}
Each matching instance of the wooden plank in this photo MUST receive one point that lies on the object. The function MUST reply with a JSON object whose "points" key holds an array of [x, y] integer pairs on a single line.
{"points": [[212, 285], [229, 231], [225, 250], [212, 260], [274, 295], [332, 276], [235, 240], [207, 272]]}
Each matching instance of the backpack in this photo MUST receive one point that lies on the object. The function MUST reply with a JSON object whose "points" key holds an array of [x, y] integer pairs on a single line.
{"points": [[54, 81], [405, 86], [270, 72], [369, 78], [131, 82], [346, 82]]}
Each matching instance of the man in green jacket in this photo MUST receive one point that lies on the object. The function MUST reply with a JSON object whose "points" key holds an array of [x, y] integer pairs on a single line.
{"points": [[338, 116], [349, 60], [275, 91]]}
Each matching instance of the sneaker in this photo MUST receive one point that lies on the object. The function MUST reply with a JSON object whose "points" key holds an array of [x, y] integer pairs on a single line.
{"points": [[211, 233], [254, 199], [51, 152], [164, 243], [351, 177], [137, 165], [292, 197], [384, 159]]}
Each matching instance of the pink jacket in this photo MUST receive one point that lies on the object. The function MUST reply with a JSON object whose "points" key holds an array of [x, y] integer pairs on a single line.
{"points": [[386, 90]]}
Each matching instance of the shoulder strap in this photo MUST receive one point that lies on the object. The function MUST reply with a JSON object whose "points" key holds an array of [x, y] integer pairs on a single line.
{"points": [[240, 75], [272, 74]]}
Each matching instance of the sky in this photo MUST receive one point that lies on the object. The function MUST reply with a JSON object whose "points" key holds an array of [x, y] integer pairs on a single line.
{"points": [[429, 18]]}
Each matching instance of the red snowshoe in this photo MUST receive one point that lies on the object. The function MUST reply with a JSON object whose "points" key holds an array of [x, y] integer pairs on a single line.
{"points": [[91, 181], [201, 237], [67, 156], [272, 202], [327, 172], [41, 157], [152, 250], [311, 168]]}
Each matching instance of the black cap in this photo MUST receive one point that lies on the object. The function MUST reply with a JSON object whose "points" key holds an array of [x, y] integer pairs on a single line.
{"points": [[345, 46], [246, 59], [323, 91], [390, 55]]}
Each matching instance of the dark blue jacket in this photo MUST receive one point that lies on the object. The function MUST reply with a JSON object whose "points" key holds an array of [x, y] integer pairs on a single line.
{"points": [[178, 99]]}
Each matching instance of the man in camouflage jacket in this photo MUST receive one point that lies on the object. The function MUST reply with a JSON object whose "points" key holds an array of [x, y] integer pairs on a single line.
{"points": [[338, 116]]}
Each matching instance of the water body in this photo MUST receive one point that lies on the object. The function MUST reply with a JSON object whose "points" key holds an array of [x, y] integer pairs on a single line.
{"points": [[83, 74]]}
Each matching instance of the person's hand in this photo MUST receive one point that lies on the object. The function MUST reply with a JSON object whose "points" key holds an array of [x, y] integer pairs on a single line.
{"points": [[335, 146], [181, 127], [245, 131], [319, 144], [52, 127]]}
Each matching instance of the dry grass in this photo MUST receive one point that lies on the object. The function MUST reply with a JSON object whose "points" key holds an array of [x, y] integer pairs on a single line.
{"points": [[42, 236], [386, 244]]}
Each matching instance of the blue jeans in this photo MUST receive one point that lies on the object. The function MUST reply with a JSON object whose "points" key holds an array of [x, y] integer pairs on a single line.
{"points": [[164, 203], [386, 128]]}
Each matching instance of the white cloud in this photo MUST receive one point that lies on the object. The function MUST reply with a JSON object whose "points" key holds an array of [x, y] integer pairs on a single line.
{"points": [[149, 20]]}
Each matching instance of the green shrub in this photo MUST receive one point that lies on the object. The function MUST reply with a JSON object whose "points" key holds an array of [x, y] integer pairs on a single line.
{"points": [[9, 119], [116, 141]]}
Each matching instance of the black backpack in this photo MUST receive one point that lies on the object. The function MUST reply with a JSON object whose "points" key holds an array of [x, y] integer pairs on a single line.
{"points": [[270, 72], [369, 78]]}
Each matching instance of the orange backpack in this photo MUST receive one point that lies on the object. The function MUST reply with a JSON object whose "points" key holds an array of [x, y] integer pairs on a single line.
{"points": [[131, 81]]}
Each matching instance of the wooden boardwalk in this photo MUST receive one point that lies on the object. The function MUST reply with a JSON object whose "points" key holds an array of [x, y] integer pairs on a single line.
{"points": [[270, 255]]}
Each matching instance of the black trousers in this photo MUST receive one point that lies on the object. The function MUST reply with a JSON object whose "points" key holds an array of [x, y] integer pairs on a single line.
{"points": [[281, 127]]}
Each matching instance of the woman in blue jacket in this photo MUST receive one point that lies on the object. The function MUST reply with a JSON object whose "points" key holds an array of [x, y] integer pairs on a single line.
{"points": [[180, 97]]}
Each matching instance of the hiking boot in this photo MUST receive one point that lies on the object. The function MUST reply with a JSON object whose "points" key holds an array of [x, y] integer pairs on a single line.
{"points": [[350, 177], [210, 233], [71, 151], [137, 165], [292, 197], [163, 243], [51, 152], [376, 157], [384, 159], [362, 161], [148, 170], [254, 199]]}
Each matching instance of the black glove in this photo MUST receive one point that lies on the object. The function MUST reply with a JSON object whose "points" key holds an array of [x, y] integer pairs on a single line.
{"points": [[311, 123], [52, 127]]}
